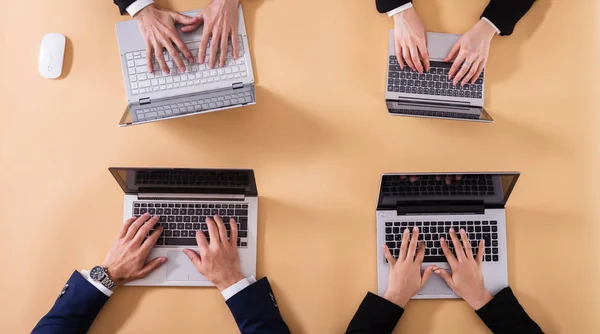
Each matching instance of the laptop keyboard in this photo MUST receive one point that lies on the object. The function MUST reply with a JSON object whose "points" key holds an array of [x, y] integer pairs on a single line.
{"points": [[142, 82], [427, 185], [175, 109], [433, 83], [180, 221], [432, 231]]}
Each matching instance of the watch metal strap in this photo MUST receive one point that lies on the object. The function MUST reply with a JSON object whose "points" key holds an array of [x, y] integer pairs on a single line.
{"points": [[107, 282]]}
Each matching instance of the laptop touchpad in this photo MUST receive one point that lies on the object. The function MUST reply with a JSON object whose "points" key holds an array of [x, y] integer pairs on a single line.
{"points": [[435, 286], [180, 268]]}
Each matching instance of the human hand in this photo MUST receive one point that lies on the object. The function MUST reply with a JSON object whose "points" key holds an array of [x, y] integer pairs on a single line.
{"points": [[405, 278], [218, 260], [126, 260], [467, 278], [157, 25], [220, 20], [410, 40], [471, 52]]}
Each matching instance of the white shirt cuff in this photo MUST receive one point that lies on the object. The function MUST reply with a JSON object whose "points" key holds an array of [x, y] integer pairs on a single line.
{"points": [[399, 9], [98, 285], [137, 6], [493, 25], [237, 287]]}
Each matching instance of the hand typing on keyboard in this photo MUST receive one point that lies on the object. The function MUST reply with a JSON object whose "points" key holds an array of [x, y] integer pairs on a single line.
{"points": [[220, 23], [471, 52], [126, 260], [467, 278], [410, 40], [405, 278], [218, 260], [157, 25]]}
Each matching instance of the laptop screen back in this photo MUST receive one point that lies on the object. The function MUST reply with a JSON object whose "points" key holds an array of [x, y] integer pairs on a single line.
{"points": [[411, 108], [490, 189], [182, 180]]}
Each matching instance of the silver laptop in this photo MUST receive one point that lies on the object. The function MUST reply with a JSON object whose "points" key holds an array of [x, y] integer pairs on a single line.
{"points": [[436, 202], [431, 94], [159, 96], [183, 199]]}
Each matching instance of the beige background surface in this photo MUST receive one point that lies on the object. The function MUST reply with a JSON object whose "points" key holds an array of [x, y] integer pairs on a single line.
{"points": [[318, 139]]}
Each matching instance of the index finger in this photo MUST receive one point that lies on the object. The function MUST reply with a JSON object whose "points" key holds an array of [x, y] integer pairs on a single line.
{"points": [[412, 248], [149, 242], [133, 228], [456, 65], [424, 55], [125, 226], [182, 47], [149, 52], [203, 45], [145, 229], [460, 253], [213, 231], [221, 228], [448, 253], [234, 232]]}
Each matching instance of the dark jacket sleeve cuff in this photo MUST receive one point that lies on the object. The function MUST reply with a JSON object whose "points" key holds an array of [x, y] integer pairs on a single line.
{"points": [[375, 315], [123, 4], [384, 6], [505, 14], [504, 314], [255, 308], [75, 309]]}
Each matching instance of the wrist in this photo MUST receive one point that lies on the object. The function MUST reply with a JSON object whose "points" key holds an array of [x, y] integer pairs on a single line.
{"points": [[142, 12], [480, 301], [396, 298], [114, 275], [404, 14], [485, 28], [222, 285]]}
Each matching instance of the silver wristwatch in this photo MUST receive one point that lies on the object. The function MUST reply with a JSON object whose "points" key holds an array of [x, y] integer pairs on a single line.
{"points": [[100, 274]]}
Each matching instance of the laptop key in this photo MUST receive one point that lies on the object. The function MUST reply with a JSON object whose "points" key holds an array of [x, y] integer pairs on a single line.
{"points": [[180, 241]]}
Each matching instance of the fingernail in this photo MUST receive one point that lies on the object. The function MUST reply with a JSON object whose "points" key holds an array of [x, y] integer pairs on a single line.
{"points": [[416, 229], [163, 260], [451, 229], [437, 271], [442, 239], [462, 230], [146, 214]]}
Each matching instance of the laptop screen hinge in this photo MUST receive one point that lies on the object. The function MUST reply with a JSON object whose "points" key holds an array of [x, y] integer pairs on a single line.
{"points": [[237, 85], [145, 100], [440, 207]]}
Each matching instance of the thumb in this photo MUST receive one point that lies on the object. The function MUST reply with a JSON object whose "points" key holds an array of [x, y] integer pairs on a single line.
{"points": [[184, 19], [453, 52], [194, 257], [426, 274], [445, 276], [151, 266]]}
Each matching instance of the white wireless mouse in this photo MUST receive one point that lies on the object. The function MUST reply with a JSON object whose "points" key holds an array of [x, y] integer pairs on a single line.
{"points": [[52, 53]]}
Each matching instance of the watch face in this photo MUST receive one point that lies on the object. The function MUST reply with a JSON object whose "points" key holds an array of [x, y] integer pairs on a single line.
{"points": [[97, 273]]}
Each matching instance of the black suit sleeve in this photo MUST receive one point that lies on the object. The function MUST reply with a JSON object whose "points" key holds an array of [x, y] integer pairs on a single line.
{"points": [[384, 6], [375, 315], [504, 314], [506, 13], [123, 4]]}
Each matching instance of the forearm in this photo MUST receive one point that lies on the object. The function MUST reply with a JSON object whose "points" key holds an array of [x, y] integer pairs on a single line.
{"points": [[384, 6], [504, 314], [375, 315], [504, 14], [255, 309], [74, 311]]}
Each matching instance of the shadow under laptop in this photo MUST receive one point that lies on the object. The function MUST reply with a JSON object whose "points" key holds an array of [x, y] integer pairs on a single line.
{"points": [[273, 131]]}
